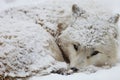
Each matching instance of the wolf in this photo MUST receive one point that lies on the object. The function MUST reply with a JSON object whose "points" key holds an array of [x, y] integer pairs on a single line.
{"points": [[35, 42]]}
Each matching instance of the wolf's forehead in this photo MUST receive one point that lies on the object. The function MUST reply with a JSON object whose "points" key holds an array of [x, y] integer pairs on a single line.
{"points": [[89, 20], [87, 37], [89, 31]]}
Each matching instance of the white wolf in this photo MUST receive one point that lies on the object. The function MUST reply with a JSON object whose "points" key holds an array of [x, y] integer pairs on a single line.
{"points": [[26, 48], [91, 39]]}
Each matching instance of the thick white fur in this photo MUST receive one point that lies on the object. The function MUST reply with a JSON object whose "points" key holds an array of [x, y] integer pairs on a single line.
{"points": [[26, 48]]}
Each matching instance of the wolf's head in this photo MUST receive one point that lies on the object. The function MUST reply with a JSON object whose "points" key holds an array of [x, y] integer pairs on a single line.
{"points": [[91, 39]]}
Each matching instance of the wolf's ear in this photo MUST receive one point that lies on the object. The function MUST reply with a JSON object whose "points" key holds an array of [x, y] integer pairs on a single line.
{"points": [[114, 19], [77, 11]]}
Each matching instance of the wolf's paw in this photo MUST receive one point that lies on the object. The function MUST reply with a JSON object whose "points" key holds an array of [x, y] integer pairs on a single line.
{"points": [[60, 71], [65, 72]]}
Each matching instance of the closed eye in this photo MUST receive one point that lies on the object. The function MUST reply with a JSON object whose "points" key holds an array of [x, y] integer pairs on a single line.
{"points": [[75, 47], [94, 53]]}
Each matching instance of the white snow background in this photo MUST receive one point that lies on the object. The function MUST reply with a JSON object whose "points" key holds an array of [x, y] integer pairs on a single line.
{"points": [[105, 74]]}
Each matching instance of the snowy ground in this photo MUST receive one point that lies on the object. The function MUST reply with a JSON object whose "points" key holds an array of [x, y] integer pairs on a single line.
{"points": [[102, 74]]}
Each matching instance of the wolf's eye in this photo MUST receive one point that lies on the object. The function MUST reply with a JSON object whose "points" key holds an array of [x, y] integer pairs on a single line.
{"points": [[94, 53], [75, 47]]}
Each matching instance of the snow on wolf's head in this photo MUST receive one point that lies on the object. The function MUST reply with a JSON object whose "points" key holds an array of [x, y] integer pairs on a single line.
{"points": [[91, 39]]}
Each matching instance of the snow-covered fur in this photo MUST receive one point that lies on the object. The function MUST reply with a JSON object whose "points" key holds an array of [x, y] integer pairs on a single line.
{"points": [[91, 39], [26, 48]]}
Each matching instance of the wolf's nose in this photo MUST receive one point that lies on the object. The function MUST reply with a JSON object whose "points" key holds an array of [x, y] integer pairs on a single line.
{"points": [[74, 69]]}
